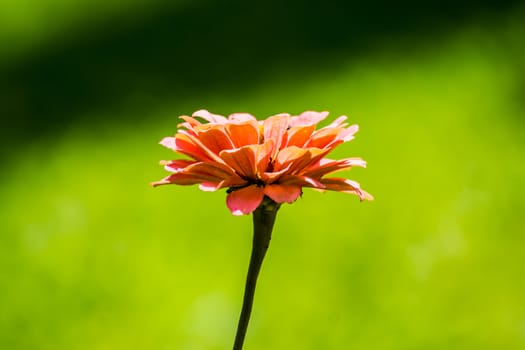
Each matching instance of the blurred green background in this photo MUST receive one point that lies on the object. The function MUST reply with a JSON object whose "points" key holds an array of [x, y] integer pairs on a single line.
{"points": [[91, 257]]}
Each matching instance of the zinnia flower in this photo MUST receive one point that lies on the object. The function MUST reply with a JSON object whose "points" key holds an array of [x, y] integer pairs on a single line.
{"points": [[276, 157]]}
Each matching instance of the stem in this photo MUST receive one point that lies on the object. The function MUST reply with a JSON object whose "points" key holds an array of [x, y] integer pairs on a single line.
{"points": [[263, 220]]}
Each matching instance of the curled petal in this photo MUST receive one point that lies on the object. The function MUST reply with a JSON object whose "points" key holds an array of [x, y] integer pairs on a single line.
{"points": [[212, 118], [189, 122], [245, 200], [346, 186], [282, 193], [262, 155], [269, 177], [275, 129]]}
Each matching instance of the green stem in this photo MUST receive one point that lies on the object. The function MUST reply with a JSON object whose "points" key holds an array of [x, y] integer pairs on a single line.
{"points": [[263, 220]]}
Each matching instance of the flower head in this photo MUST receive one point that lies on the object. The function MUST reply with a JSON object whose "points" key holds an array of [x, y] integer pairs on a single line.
{"points": [[276, 157]]}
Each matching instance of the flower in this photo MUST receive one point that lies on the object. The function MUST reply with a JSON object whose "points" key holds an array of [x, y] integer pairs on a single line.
{"points": [[276, 157]]}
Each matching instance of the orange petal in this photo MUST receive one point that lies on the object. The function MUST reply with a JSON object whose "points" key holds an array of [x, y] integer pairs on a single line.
{"points": [[189, 122], [321, 138], [245, 200], [215, 139], [185, 145], [298, 159], [299, 180], [242, 160], [179, 179], [282, 193], [289, 155], [210, 170], [242, 134], [183, 134], [269, 177], [298, 135], [262, 155]]}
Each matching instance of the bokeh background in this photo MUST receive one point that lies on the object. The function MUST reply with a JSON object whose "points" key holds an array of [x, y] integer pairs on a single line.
{"points": [[91, 257]]}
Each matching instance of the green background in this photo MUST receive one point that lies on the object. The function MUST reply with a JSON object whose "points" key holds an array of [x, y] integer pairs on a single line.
{"points": [[91, 257]]}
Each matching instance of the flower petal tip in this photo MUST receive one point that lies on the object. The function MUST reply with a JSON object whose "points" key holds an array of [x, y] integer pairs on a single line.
{"points": [[168, 142], [365, 196]]}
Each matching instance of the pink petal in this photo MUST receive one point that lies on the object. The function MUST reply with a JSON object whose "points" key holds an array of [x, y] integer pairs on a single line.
{"points": [[339, 122], [212, 186], [327, 166], [346, 186], [245, 200], [308, 118], [168, 142], [212, 118], [241, 117], [209, 186], [348, 133], [282, 193], [275, 129]]}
